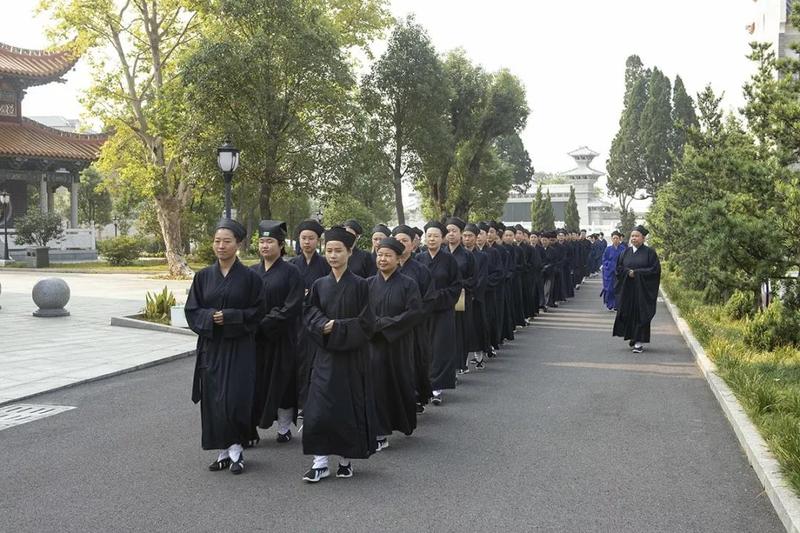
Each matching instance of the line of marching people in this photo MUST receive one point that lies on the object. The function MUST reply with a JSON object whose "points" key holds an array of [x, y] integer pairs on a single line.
{"points": [[356, 343]]}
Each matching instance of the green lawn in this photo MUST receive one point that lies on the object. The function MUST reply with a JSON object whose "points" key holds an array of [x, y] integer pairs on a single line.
{"points": [[767, 383]]}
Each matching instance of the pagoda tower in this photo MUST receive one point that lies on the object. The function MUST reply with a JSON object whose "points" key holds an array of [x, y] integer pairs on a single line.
{"points": [[583, 178], [32, 154]]}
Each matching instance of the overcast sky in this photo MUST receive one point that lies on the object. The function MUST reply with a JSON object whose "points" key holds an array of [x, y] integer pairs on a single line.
{"points": [[570, 54]]}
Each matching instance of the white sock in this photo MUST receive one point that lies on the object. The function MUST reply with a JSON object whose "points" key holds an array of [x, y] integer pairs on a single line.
{"points": [[285, 420], [222, 455], [234, 451], [344, 461], [320, 461], [437, 393], [479, 357]]}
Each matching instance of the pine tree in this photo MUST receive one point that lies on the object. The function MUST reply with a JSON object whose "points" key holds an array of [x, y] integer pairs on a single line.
{"points": [[537, 210], [572, 219], [657, 133], [549, 217], [683, 116]]}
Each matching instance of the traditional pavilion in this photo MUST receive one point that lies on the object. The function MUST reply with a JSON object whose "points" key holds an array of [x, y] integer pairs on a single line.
{"points": [[32, 154]]}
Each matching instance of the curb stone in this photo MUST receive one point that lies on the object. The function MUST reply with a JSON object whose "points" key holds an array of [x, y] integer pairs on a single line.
{"points": [[115, 373], [766, 467]]}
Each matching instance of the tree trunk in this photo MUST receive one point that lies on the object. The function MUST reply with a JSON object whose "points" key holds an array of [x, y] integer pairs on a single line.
{"points": [[169, 218], [398, 197], [265, 200]]}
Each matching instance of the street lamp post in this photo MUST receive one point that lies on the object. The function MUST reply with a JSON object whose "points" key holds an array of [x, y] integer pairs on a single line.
{"points": [[5, 201], [228, 162], [115, 220]]}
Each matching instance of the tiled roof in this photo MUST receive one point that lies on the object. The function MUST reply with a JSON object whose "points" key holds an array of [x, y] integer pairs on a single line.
{"points": [[35, 65], [31, 139]]}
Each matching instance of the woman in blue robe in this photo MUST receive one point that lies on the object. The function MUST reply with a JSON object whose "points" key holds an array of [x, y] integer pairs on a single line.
{"points": [[610, 256]]}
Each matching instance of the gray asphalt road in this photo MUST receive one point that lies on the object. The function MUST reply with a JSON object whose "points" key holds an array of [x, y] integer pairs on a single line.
{"points": [[565, 431]]}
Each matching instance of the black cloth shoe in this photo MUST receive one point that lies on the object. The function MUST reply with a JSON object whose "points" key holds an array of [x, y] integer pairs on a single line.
{"points": [[237, 466], [480, 365], [638, 348], [315, 475], [436, 400], [631, 343], [299, 413], [284, 437], [420, 408], [221, 464], [345, 470]]}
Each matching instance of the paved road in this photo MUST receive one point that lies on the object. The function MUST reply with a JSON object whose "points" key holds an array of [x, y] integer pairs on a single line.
{"points": [[566, 431]]}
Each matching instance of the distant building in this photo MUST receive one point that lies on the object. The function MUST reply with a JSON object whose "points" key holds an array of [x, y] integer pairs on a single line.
{"points": [[69, 125], [771, 24], [34, 156], [596, 213]]}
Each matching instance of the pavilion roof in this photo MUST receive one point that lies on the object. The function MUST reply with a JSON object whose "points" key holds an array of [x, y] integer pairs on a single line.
{"points": [[36, 67], [31, 139]]}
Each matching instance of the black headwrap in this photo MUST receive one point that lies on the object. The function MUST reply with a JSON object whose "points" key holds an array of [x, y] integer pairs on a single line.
{"points": [[272, 228], [641, 229], [392, 244], [338, 233], [561, 231], [312, 225], [617, 233], [405, 230], [239, 233], [483, 226], [472, 228], [381, 228], [436, 224], [354, 225], [459, 223], [419, 232], [501, 227]]}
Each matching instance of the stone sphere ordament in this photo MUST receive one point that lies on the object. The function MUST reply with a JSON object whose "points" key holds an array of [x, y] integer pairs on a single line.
{"points": [[51, 295]]}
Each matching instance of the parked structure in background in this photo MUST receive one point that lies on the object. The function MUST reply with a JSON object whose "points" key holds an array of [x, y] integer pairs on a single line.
{"points": [[771, 24], [597, 214], [38, 159]]}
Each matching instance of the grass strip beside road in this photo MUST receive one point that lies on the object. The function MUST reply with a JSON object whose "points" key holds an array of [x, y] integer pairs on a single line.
{"points": [[766, 383]]}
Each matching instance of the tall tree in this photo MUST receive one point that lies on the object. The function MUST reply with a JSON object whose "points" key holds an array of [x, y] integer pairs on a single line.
{"points": [[572, 219], [549, 216], [137, 92], [537, 210], [625, 163], [94, 201], [683, 117], [277, 76], [404, 94], [656, 133]]}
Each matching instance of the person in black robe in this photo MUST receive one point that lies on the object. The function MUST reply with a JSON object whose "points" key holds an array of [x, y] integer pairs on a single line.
{"points": [[447, 288], [521, 237], [276, 340], [466, 267], [479, 339], [422, 331], [379, 232], [361, 263], [506, 302], [537, 260], [419, 234], [551, 273], [312, 266], [636, 290], [340, 416], [563, 269], [397, 306], [224, 307], [518, 267], [495, 277]]}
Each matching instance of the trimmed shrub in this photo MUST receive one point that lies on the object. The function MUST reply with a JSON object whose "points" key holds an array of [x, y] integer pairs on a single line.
{"points": [[204, 252], [120, 251], [740, 305], [776, 326]]}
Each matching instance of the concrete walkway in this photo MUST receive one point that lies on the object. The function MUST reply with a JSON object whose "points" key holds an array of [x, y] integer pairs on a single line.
{"points": [[565, 431], [41, 354]]}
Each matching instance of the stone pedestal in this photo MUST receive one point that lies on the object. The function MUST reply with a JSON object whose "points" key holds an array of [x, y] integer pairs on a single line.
{"points": [[51, 295]]}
